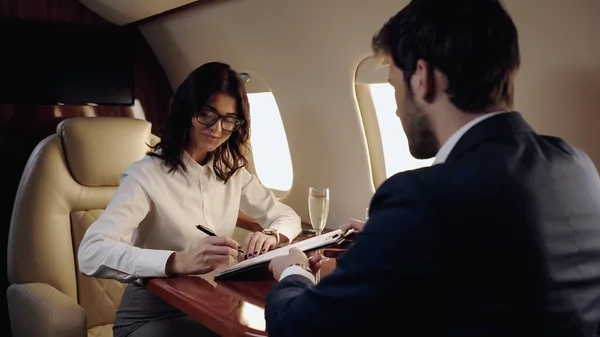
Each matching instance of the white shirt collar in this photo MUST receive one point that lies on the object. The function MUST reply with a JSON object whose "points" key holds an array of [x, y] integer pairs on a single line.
{"points": [[190, 163], [195, 170], [445, 150]]}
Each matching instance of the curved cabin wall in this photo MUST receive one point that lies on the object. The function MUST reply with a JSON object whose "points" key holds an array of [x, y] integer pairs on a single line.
{"points": [[308, 51]]}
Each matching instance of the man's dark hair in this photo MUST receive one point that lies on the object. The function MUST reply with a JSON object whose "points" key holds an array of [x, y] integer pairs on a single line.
{"points": [[473, 42]]}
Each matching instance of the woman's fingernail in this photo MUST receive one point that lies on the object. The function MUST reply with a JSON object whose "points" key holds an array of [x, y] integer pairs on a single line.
{"points": [[255, 253]]}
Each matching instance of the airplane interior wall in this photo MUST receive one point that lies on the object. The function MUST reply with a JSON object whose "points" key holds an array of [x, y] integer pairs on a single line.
{"points": [[308, 51]]}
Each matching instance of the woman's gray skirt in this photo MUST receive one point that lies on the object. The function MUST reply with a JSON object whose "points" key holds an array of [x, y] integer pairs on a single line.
{"points": [[141, 313]]}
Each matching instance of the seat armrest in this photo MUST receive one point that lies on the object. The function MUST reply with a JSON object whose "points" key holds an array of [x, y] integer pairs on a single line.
{"points": [[38, 309]]}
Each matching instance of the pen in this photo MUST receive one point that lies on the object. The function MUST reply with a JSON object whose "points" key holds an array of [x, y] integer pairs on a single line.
{"points": [[209, 232]]}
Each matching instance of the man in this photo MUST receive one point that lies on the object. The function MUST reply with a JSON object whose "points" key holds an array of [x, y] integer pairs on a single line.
{"points": [[500, 237]]}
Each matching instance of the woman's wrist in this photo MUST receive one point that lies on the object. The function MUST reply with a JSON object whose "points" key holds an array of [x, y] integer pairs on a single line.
{"points": [[283, 240], [171, 267]]}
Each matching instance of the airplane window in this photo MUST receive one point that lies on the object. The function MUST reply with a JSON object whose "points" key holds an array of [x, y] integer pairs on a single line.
{"points": [[270, 150], [386, 141], [395, 145]]}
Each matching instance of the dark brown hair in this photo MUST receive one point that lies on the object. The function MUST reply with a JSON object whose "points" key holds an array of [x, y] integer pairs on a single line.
{"points": [[193, 94], [473, 42]]}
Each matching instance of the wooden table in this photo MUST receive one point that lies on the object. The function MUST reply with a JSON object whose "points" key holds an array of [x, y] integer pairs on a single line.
{"points": [[229, 308]]}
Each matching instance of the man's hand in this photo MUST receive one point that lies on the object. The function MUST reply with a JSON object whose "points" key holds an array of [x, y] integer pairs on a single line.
{"points": [[357, 225], [257, 243], [338, 250], [295, 255], [211, 253], [315, 262]]}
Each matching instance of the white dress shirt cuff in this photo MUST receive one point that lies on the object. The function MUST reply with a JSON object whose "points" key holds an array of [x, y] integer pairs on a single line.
{"points": [[297, 270], [152, 263], [290, 230]]}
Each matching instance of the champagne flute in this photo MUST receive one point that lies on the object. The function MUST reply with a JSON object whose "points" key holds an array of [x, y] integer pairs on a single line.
{"points": [[318, 210]]}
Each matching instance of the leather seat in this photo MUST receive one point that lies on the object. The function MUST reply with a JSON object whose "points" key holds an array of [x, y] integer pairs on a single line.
{"points": [[68, 181]]}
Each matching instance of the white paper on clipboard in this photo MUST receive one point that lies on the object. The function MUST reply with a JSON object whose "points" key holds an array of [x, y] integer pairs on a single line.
{"points": [[314, 243]]}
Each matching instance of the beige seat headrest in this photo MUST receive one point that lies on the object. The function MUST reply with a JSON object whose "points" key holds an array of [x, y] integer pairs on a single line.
{"points": [[98, 149]]}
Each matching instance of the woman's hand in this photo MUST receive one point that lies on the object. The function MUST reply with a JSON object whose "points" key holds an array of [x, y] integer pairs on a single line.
{"points": [[211, 253], [257, 243]]}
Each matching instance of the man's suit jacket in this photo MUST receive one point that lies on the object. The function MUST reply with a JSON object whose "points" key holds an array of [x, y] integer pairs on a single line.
{"points": [[503, 239]]}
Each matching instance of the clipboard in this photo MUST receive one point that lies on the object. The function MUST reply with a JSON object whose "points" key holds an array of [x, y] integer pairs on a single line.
{"points": [[327, 240]]}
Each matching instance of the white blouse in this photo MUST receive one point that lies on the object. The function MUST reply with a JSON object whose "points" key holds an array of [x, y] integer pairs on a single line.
{"points": [[154, 213]]}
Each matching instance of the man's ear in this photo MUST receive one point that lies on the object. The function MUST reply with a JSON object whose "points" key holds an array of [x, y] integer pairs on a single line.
{"points": [[423, 81]]}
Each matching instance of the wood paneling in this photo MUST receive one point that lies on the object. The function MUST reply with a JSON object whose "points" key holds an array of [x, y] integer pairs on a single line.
{"points": [[152, 87], [23, 126], [52, 10]]}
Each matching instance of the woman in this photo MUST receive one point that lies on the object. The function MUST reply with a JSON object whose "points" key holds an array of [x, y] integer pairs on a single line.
{"points": [[196, 176]]}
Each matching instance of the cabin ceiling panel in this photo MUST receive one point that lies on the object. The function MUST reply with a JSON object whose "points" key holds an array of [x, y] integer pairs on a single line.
{"points": [[122, 12]]}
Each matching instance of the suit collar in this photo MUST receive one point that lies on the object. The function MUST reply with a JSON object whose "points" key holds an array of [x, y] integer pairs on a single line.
{"points": [[500, 125], [447, 147]]}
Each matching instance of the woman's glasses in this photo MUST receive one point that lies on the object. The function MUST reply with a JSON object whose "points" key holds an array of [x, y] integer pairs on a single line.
{"points": [[209, 117]]}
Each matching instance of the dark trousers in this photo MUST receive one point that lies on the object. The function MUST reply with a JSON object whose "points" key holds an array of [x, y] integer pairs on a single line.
{"points": [[141, 313]]}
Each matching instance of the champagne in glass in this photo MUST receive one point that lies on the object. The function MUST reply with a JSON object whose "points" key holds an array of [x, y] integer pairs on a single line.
{"points": [[318, 207]]}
